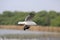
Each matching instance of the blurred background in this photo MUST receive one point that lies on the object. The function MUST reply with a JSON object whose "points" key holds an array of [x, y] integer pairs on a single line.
{"points": [[47, 11]]}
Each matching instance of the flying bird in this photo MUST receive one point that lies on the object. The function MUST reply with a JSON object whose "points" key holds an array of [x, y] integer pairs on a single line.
{"points": [[28, 21]]}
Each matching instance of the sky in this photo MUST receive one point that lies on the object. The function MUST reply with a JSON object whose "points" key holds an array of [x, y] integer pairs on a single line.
{"points": [[29, 5]]}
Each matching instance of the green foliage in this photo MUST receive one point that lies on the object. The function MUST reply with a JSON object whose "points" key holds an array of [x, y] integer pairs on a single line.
{"points": [[7, 14], [51, 18], [56, 21]]}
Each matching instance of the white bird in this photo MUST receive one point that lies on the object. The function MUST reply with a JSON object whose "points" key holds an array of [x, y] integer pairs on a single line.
{"points": [[28, 21]]}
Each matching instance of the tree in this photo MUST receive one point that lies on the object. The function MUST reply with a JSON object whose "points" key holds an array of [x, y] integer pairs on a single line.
{"points": [[7, 14]]}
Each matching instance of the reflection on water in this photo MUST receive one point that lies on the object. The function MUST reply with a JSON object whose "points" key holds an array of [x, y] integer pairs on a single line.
{"points": [[7, 31], [33, 39], [28, 37]]}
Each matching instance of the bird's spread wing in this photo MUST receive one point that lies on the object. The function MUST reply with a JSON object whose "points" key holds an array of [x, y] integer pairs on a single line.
{"points": [[28, 18]]}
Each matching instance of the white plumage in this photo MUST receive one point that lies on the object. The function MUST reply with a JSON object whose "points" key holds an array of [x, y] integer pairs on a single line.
{"points": [[27, 23]]}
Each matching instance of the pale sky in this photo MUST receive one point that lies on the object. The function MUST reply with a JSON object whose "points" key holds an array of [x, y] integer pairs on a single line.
{"points": [[29, 5]]}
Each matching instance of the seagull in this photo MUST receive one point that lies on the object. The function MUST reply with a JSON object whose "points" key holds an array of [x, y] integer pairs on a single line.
{"points": [[28, 21]]}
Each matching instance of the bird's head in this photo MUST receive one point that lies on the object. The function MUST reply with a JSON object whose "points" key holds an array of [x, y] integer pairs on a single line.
{"points": [[32, 14]]}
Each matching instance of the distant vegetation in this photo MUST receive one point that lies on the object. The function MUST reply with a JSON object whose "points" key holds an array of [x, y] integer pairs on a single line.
{"points": [[51, 18]]}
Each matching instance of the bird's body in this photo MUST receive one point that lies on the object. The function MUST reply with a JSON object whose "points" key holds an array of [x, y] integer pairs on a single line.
{"points": [[29, 21]]}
